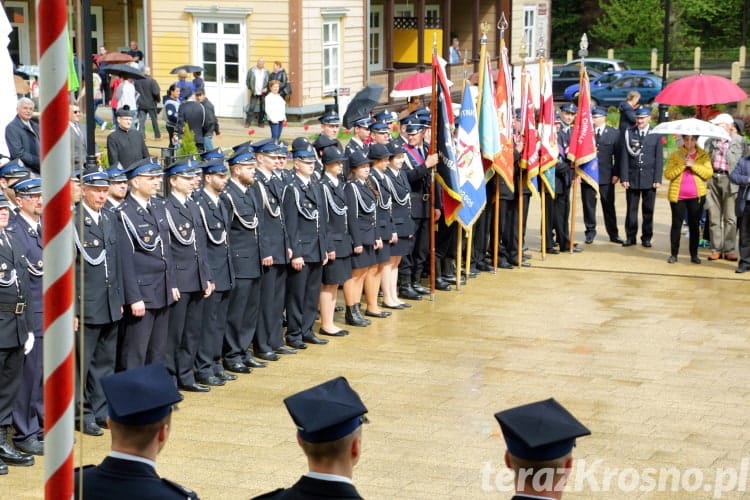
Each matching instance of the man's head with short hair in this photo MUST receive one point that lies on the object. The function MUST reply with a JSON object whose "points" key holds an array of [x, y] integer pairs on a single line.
{"points": [[25, 108]]}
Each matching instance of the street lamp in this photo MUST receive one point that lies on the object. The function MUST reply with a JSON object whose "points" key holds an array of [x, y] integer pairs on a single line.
{"points": [[664, 108]]}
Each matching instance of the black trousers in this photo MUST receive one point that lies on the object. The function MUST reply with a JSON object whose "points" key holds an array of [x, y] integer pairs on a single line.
{"points": [[302, 297], [635, 197], [692, 208], [11, 367], [744, 240], [214, 325], [144, 339], [556, 219], [270, 333], [154, 121], [242, 320], [97, 361], [28, 409], [420, 253], [607, 199], [183, 336], [260, 100]]}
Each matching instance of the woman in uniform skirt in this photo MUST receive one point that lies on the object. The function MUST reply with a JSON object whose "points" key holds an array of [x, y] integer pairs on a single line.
{"points": [[397, 185], [362, 204], [380, 155], [339, 267]]}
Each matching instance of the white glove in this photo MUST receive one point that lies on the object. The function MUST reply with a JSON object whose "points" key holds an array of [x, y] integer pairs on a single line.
{"points": [[29, 344]]}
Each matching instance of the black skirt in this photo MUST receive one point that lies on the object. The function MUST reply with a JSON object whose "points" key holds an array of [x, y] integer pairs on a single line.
{"points": [[337, 271], [402, 247], [364, 259], [382, 255]]}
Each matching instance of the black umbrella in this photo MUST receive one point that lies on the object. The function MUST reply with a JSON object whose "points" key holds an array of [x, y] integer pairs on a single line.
{"points": [[125, 71], [187, 67], [362, 103]]}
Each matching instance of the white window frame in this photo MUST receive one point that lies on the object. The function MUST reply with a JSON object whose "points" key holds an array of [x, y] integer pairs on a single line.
{"points": [[24, 54], [529, 29], [380, 32], [332, 46], [432, 10], [98, 30], [403, 10]]}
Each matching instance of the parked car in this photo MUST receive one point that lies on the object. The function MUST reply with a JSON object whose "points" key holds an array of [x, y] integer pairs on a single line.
{"points": [[600, 64], [612, 94], [571, 93], [563, 76]]}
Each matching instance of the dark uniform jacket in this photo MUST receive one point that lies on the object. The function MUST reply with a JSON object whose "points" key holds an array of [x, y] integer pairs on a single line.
{"points": [[384, 224], [14, 328], [305, 220], [244, 243], [192, 114], [119, 479], [23, 143], [563, 169], [608, 154], [398, 186], [641, 159], [125, 147], [31, 246], [216, 219], [308, 488], [101, 289], [274, 241], [361, 213], [188, 259], [334, 212], [143, 241], [419, 180]]}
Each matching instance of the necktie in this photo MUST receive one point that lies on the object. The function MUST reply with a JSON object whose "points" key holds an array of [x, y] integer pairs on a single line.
{"points": [[598, 133], [39, 229]]}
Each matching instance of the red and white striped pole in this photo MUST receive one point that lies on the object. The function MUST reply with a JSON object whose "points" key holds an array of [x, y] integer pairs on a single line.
{"points": [[52, 35]]}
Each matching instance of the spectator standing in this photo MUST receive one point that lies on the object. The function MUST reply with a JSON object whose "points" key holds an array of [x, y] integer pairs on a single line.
{"points": [[275, 109], [136, 54], [22, 136], [192, 114], [148, 95], [211, 123], [114, 84], [125, 145], [455, 52], [627, 110], [257, 85], [77, 137], [171, 108], [103, 75], [186, 88], [279, 74], [198, 82], [98, 97], [741, 176]]}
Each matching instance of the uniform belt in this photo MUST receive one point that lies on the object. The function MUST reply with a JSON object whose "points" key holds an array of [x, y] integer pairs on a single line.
{"points": [[13, 307]]}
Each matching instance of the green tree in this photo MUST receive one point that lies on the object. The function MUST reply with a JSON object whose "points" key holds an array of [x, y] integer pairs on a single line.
{"points": [[623, 24]]}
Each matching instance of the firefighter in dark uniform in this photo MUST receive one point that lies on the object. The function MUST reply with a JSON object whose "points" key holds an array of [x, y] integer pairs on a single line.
{"points": [[148, 279], [417, 171], [100, 293], [330, 123], [187, 242], [307, 229], [140, 427], [641, 170], [10, 173], [216, 220], [16, 335], [360, 140], [28, 410], [324, 414], [275, 251], [118, 188], [607, 152], [244, 299]]}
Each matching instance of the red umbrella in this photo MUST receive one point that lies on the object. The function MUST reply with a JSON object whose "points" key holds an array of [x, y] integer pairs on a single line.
{"points": [[417, 84], [701, 90]]}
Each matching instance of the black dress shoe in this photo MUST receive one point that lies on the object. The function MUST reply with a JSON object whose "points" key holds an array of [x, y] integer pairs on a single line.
{"points": [[505, 265], [196, 387], [310, 338], [11, 456], [695, 259], [88, 428], [554, 251], [295, 344], [589, 240], [646, 243], [3, 468], [381, 314], [397, 306], [101, 423], [672, 259], [32, 446], [420, 289], [285, 350], [628, 243], [268, 356], [616, 239], [442, 286], [237, 367], [340, 333], [408, 293], [213, 380], [741, 269], [484, 267], [254, 363], [225, 376], [577, 249]]}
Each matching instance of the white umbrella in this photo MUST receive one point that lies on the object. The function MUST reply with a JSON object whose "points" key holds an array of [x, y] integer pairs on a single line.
{"points": [[691, 126]]}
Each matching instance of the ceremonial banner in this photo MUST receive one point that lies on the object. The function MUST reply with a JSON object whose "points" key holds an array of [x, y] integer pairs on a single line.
{"points": [[504, 105], [582, 149], [442, 126], [548, 151], [469, 161], [530, 153], [489, 129]]}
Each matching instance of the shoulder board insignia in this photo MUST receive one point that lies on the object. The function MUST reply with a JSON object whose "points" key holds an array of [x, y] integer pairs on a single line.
{"points": [[180, 489]]}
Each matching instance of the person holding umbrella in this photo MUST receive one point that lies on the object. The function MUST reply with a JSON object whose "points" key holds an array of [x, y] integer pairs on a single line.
{"points": [[687, 169]]}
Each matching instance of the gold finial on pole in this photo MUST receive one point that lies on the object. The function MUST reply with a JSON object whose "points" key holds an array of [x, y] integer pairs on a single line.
{"points": [[484, 28], [523, 51]]}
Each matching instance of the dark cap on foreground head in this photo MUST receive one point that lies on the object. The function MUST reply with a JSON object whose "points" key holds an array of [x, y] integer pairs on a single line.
{"points": [[266, 147], [116, 175], [598, 112], [540, 431], [215, 166], [330, 118], [414, 128], [212, 154], [242, 157], [385, 116], [569, 107], [323, 141], [141, 395], [377, 127], [183, 168], [148, 167], [14, 169], [303, 150], [28, 186], [4, 202], [378, 151], [357, 159], [95, 176], [395, 149], [643, 111], [365, 122], [124, 112], [326, 412], [332, 154]]}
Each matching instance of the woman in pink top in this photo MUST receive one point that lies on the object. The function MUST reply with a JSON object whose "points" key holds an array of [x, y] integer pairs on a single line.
{"points": [[687, 169]]}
